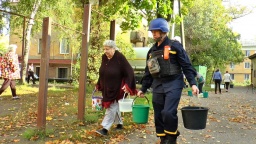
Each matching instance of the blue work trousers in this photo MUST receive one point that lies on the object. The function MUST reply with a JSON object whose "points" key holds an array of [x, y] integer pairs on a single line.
{"points": [[165, 112]]}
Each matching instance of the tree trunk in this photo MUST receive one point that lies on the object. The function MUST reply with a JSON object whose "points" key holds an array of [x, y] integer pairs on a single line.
{"points": [[27, 40]]}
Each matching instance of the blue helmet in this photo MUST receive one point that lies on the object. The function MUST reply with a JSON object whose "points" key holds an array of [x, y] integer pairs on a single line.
{"points": [[159, 24]]}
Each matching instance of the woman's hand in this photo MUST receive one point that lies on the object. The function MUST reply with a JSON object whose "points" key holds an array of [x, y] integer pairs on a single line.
{"points": [[140, 94], [125, 89], [96, 89]]}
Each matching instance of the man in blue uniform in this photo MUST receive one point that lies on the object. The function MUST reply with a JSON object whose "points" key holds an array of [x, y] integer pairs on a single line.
{"points": [[167, 61]]}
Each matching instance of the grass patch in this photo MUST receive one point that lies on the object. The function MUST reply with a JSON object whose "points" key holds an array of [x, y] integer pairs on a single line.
{"points": [[93, 116], [35, 134]]}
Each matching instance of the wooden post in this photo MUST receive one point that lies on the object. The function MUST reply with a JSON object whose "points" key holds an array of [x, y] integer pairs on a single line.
{"points": [[182, 33], [23, 47], [84, 62], [44, 66], [112, 30]]}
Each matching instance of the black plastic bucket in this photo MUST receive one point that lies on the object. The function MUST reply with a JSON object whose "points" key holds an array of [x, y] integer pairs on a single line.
{"points": [[194, 118]]}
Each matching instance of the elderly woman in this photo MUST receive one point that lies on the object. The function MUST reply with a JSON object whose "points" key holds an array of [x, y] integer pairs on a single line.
{"points": [[10, 70], [116, 77]]}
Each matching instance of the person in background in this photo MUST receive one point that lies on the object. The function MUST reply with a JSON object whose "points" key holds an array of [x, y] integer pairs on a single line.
{"points": [[167, 61], [200, 81], [10, 70], [116, 77], [177, 38], [31, 73], [217, 80], [227, 79]]}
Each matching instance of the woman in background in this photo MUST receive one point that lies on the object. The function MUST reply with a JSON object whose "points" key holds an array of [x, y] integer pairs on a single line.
{"points": [[227, 79], [10, 70]]}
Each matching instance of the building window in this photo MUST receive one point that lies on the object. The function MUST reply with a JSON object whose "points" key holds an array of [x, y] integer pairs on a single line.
{"points": [[64, 46], [246, 65], [254, 73], [246, 77], [247, 53], [39, 46], [62, 72], [232, 76], [232, 65], [37, 72]]}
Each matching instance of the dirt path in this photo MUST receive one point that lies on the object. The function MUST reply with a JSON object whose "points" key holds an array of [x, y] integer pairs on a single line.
{"points": [[231, 120]]}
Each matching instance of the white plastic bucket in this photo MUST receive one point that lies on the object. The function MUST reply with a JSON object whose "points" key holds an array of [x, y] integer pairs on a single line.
{"points": [[125, 105], [221, 86]]}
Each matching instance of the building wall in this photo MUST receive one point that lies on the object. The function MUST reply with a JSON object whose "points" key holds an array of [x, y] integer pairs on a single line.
{"points": [[239, 70], [56, 58], [254, 71]]}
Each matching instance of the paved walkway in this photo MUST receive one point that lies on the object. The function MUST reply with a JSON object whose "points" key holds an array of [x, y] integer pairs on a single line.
{"points": [[231, 120]]}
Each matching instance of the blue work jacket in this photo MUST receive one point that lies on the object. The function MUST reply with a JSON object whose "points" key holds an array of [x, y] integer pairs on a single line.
{"points": [[179, 57]]}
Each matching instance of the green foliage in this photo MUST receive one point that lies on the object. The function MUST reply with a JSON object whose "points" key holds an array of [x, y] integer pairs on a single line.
{"points": [[124, 45], [60, 11], [34, 134], [3, 44], [209, 41], [132, 12]]}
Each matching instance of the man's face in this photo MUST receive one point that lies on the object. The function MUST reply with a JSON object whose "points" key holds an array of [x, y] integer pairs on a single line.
{"points": [[156, 34]]}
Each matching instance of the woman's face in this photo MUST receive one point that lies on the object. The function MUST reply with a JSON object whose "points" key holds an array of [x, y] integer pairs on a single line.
{"points": [[109, 51]]}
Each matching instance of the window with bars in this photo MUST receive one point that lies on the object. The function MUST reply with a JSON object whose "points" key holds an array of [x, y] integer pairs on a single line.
{"points": [[62, 72]]}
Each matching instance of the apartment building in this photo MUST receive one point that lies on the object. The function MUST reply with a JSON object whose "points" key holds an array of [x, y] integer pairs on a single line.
{"points": [[61, 56], [241, 72]]}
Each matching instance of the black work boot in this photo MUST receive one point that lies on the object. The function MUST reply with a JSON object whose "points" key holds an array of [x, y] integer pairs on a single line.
{"points": [[162, 138], [171, 139]]}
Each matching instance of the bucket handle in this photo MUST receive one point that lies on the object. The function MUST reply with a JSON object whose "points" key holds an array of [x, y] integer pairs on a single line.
{"points": [[190, 101], [137, 97], [93, 92], [124, 96]]}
